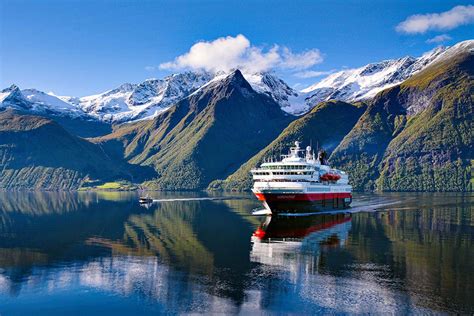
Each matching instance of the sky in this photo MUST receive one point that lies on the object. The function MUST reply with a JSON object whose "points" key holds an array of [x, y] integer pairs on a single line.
{"points": [[81, 47]]}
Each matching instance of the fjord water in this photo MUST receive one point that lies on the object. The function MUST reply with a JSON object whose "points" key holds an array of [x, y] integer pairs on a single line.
{"points": [[103, 253]]}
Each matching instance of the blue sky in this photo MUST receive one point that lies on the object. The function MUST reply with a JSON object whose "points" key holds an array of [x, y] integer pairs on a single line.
{"points": [[85, 47]]}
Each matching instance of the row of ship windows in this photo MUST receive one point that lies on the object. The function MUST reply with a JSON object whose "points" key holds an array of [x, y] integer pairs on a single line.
{"points": [[286, 180], [283, 173], [300, 167]]}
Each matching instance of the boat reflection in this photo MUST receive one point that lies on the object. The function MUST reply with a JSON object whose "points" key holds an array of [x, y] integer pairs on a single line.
{"points": [[292, 241]]}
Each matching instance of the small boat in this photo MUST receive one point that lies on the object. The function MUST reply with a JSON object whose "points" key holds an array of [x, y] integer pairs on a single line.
{"points": [[145, 200]]}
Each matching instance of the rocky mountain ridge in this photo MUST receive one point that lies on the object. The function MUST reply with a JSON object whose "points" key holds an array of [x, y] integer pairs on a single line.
{"points": [[130, 102]]}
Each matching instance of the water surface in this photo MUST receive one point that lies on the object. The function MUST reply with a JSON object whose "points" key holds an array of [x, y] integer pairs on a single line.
{"points": [[103, 253]]}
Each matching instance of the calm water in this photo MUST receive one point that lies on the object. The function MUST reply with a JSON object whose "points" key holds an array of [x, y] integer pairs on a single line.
{"points": [[102, 253]]}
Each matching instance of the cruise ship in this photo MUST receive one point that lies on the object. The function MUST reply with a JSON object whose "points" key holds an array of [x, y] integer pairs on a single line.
{"points": [[301, 183]]}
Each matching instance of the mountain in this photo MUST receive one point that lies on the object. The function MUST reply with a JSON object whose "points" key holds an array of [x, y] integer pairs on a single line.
{"points": [[365, 82], [146, 100], [130, 102], [137, 101], [268, 83], [37, 153], [203, 137], [418, 135], [36, 102], [324, 126]]}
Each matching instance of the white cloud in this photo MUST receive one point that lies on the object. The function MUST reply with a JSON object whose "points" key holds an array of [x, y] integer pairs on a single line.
{"points": [[448, 20], [229, 52], [439, 39], [302, 60], [313, 73]]}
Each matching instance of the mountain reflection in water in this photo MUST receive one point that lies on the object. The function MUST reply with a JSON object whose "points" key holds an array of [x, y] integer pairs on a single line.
{"points": [[90, 253]]}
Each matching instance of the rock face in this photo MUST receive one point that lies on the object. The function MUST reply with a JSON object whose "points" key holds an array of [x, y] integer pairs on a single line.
{"points": [[324, 127], [203, 137], [416, 136], [37, 153]]}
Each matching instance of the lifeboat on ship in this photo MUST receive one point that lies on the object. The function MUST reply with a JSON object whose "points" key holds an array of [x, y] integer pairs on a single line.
{"points": [[330, 177]]}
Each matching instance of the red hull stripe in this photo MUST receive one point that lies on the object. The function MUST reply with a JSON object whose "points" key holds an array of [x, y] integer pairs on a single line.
{"points": [[299, 232], [301, 196]]}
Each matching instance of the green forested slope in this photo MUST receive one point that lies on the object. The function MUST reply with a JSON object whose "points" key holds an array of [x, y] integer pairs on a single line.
{"points": [[37, 153], [417, 136]]}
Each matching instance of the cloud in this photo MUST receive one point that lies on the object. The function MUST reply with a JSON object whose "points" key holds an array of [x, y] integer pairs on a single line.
{"points": [[439, 39], [448, 20], [229, 52], [313, 73], [302, 60]]}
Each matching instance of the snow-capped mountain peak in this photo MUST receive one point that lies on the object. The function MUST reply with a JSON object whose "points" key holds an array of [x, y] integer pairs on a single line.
{"points": [[37, 101], [268, 83], [365, 82], [136, 101], [7, 92], [12, 97], [461, 47]]}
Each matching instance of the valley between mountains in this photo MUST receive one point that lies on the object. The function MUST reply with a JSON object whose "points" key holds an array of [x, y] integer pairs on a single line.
{"points": [[397, 125]]}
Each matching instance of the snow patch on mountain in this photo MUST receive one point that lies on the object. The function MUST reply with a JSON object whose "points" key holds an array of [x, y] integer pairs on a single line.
{"points": [[268, 83], [365, 82], [144, 100], [43, 101], [36, 101], [461, 47]]}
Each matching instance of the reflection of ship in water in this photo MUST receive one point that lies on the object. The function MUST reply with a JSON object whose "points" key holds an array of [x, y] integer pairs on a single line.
{"points": [[298, 240]]}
